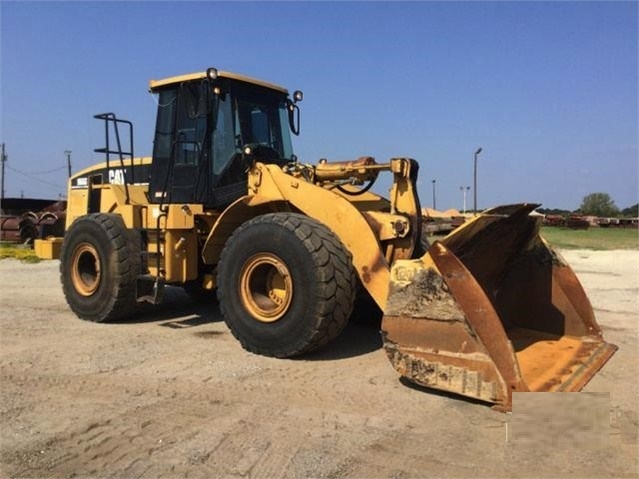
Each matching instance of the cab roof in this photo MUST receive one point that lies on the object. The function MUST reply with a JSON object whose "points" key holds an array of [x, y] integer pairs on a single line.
{"points": [[157, 84]]}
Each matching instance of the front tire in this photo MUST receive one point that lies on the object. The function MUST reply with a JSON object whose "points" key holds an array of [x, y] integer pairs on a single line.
{"points": [[286, 285], [99, 263]]}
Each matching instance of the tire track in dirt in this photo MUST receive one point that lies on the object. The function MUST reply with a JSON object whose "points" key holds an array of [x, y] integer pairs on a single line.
{"points": [[174, 395], [126, 444]]}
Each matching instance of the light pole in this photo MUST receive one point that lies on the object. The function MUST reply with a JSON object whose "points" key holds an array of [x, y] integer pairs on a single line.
{"points": [[464, 190], [475, 180], [434, 199]]}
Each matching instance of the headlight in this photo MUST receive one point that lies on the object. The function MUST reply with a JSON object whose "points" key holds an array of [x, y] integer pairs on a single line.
{"points": [[211, 73]]}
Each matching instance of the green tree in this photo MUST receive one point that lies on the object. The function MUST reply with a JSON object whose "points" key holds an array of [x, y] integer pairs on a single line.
{"points": [[598, 204], [631, 211]]}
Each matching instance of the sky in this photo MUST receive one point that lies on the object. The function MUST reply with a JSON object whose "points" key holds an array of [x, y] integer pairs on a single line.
{"points": [[547, 89]]}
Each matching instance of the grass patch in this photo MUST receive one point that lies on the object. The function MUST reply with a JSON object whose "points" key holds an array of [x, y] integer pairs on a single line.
{"points": [[592, 238], [26, 255]]}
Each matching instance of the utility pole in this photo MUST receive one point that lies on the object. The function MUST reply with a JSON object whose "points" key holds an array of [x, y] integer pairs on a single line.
{"points": [[434, 198], [475, 180], [3, 160], [68, 153]]}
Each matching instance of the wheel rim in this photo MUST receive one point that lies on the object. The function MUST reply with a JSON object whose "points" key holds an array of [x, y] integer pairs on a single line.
{"points": [[266, 288], [85, 269]]}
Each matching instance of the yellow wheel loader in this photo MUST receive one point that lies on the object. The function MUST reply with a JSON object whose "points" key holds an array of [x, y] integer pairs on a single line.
{"points": [[224, 206]]}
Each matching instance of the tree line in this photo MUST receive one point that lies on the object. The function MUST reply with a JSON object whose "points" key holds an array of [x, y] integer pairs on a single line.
{"points": [[597, 204]]}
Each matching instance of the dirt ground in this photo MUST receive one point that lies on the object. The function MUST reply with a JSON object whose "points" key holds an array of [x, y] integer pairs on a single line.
{"points": [[172, 394]]}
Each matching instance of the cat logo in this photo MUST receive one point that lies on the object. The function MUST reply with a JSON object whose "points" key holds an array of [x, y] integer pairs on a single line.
{"points": [[116, 177]]}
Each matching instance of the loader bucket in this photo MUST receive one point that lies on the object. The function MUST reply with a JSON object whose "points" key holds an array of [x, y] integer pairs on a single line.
{"points": [[490, 310]]}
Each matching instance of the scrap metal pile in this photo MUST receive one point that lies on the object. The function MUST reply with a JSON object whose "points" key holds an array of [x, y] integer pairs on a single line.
{"points": [[24, 227]]}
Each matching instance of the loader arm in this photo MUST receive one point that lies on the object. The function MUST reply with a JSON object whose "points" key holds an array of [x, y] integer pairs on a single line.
{"points": [[361, 232]]}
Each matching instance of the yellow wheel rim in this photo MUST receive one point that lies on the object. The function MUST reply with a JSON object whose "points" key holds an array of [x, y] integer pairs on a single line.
{"points": [[266, 288], [85, 269]]}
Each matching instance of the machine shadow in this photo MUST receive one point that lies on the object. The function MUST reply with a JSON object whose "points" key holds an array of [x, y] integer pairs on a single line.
{"points": [[178, 310], [355, 340]]}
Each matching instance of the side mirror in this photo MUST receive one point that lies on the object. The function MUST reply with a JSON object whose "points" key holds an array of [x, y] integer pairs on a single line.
{"points": [[294, 112], [293, 116]]}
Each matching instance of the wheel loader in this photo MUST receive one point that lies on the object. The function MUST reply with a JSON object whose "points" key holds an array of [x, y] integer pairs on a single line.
{"points": [[224, 207]]}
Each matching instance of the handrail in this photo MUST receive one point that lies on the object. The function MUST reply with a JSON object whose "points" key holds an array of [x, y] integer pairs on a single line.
{"points": [[111, 118]]}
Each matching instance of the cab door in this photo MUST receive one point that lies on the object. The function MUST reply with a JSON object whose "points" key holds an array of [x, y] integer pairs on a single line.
{"points": [[181, 152]]}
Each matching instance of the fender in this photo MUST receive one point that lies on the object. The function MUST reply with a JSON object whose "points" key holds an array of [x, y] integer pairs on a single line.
{"points": [[270, 189], [240, 211]]}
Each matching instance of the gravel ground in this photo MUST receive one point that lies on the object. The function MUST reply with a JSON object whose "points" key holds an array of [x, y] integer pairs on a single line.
{"points": [[172, 394]]}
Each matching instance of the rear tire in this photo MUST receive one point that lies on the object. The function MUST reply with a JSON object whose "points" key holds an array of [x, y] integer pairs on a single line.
{"points": [[99, 263], [286, 285]]}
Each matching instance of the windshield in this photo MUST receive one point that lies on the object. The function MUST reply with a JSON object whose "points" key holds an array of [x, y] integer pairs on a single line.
{"points": [[250, 115]]}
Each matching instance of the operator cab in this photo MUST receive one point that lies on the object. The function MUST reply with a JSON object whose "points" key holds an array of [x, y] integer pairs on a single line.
{"points": [[210, 127]]}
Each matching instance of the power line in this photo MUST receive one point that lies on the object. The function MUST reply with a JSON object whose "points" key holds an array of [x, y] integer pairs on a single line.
{"points": [[37, 172], [27, 175]]}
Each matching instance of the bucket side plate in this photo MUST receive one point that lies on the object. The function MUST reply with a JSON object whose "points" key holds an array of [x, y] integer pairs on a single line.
{"points": [[491, 311]]}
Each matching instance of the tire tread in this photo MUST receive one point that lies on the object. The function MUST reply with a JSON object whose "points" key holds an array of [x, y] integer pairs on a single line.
{"points": [[126, 251], [335, 279]]}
